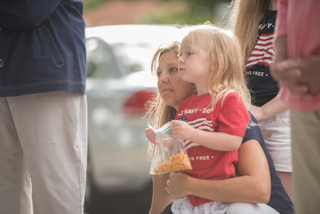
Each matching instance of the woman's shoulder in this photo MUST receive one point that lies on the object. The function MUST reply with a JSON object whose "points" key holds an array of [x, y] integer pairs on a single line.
{"points": [[253, 131]]}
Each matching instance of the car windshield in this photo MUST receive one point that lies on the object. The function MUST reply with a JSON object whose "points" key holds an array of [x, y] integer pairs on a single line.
{"points": [[135, 56], [102, 61], [115, 51]]}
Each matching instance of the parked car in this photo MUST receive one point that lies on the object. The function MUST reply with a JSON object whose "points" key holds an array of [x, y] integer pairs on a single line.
{"points": [[119, 82]]}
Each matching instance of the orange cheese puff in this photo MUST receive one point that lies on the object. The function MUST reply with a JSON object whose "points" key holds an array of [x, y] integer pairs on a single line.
{"points": [[177, 162]]}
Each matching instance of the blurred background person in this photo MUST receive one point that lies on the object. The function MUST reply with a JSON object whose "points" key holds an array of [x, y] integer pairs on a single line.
{"points": [[43, 128], [253, 22], [296, 68]]}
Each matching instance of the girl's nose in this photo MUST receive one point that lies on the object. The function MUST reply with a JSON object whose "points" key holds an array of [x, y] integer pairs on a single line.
{"points": [[180, 60]]}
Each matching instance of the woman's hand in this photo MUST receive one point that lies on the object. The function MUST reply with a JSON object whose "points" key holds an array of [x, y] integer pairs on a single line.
{"points": [[178, 184], [152, 137], [271, 108], [257, 113]]}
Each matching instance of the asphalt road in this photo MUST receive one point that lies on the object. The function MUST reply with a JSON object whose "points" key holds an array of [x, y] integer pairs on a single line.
{"points": [[122, 203]]}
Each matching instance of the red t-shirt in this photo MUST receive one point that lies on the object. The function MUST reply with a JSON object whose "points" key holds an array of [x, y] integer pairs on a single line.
{"points": [[231, 118]]}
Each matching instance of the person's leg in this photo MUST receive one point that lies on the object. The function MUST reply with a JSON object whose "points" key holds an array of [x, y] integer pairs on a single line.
{"points": [[15, 184], [277, 135], [248, 208], [52, 130], [305, 127]]}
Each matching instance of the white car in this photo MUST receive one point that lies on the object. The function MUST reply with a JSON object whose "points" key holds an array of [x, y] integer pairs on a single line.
{"points": [[119, 82]]}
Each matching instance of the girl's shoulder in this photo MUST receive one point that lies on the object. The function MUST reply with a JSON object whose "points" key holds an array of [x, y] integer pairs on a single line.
{"points": [[228, 95], [231, 99]]}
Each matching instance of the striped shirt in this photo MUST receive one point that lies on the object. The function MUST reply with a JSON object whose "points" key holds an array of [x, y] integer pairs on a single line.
{"points": [[263, 87]]}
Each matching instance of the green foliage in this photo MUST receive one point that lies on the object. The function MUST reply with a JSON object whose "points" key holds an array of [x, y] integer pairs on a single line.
{"points": [[91, 4], [186, 17], [208, 3], [193, 11]]}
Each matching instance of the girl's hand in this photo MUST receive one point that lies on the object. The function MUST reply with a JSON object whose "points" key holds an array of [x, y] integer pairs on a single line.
{"points": [[178, 183], [181, 130], [152, 137]]}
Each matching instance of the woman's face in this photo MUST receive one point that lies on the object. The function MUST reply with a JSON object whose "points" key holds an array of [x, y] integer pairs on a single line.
{"points": [[170, 85]]}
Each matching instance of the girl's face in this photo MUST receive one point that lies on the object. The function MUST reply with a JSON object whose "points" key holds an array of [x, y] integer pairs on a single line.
{"points": [[170, 85], [194, 64]]}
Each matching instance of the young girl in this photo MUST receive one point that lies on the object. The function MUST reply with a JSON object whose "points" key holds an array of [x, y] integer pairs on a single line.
{"points": [[213, 121]]}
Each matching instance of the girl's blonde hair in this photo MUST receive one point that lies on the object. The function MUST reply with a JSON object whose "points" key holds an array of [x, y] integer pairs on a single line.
{"points": [[224, 52], [244, 22]]}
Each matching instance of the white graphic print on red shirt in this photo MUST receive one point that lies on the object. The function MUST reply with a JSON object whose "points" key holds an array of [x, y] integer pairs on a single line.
{"points": [[231, 118]]}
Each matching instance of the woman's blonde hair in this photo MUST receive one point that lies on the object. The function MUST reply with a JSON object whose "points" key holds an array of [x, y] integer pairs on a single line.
{"points": [[224, 52], [244, 22], [157, 109]]}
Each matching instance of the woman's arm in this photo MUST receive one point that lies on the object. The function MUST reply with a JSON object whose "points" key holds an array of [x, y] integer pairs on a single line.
{"points": [[213, 140], [271, 108], [254, 186], [160, 197]]}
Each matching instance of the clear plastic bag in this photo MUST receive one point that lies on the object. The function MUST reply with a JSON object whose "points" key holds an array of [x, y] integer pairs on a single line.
{"points": [[169, 155]]}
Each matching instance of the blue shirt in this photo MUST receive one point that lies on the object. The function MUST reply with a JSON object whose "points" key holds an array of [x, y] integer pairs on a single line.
{"points": [[42, 46], [279, 199]]}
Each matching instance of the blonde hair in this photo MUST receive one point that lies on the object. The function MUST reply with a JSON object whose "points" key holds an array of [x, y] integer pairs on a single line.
{"points": [[244, 21], [224, 52], [157, 109]]}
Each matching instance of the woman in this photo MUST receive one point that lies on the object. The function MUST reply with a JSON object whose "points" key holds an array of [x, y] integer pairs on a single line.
{"points": [[253, 22], [252, 186]]}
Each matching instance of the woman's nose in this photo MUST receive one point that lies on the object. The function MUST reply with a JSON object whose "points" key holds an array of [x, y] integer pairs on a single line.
{"points": [[164, 77]]}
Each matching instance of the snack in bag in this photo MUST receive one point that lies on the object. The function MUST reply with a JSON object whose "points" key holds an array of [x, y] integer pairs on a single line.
{"points": [[169, 155]]}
